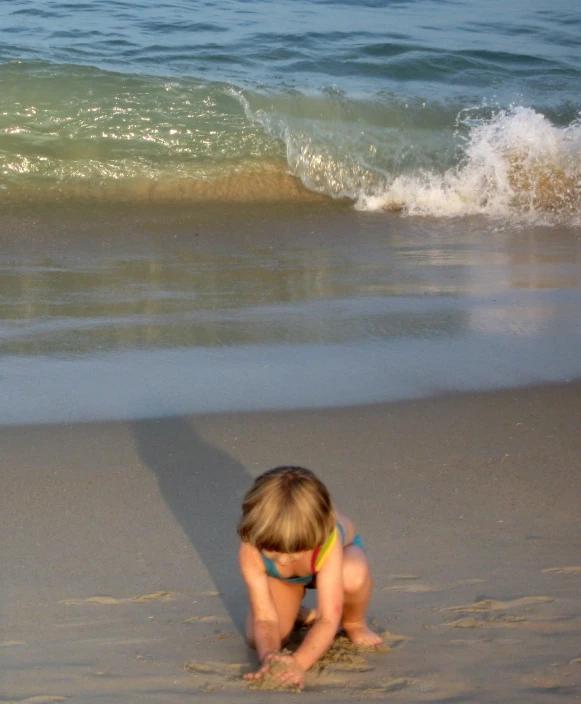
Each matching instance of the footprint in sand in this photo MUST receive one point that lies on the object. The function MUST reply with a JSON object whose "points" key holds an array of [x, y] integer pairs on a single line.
{"points": [[422, 588], [493, 612], [215, 676], [564, 570], [114, 601], [478, 642], [551, 685], [431, 689], [214, 668], [40, 699], [207, 619], [497, 605], [384, 688]]}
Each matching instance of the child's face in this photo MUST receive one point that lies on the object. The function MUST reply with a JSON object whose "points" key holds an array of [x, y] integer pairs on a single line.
{"points": [[282, 558]]}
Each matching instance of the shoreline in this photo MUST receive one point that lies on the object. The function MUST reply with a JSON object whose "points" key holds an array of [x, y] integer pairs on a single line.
{"points": [[119, 549], [159, 311]]}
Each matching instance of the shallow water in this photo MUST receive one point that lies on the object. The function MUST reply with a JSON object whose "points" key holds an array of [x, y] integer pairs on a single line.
{"points": [[133, 313]]}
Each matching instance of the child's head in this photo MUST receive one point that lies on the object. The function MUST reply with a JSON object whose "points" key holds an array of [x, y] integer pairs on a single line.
{"points": [[287, 510]]}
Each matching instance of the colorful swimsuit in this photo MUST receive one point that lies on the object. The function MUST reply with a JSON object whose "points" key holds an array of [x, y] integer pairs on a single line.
{"points": [[319, 557]]}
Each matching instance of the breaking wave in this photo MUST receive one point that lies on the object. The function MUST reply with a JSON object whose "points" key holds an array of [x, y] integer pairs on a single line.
{"points": [[516, 163], [507, 163], [80, 133]]}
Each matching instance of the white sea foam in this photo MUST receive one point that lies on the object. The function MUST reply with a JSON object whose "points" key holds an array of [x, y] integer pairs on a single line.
{"points": [[516, 163]]}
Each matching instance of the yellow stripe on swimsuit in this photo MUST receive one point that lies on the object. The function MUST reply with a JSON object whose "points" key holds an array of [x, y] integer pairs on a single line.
{"points": [[321, 554]]}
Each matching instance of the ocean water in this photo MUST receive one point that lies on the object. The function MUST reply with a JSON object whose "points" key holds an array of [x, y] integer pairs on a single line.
{"points": [[238, 205], [432, 107]]}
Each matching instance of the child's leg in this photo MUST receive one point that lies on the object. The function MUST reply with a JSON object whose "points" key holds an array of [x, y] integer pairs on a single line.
{"points": [[358, 584], [287, 599]]}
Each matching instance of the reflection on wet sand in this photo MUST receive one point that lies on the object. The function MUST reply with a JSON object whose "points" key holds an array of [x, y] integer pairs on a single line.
{"points": [[224, 288], [140, 314]]}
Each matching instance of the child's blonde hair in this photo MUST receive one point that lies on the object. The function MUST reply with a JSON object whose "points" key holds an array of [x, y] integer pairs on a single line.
{"points": [[287, 510]]}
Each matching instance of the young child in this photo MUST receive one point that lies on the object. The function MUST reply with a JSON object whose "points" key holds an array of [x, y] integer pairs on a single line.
{"points": [[292, 540]]}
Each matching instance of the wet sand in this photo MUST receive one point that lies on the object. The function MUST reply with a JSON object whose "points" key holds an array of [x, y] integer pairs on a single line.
{"points": [[119, 576], [127, 312]]}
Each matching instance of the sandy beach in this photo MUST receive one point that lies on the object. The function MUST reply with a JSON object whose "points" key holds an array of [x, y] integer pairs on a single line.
{"points": [[344, 235], [119, 575]]}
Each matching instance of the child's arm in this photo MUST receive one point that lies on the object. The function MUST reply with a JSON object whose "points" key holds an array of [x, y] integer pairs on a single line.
{"points": [[329, 610], [264, 614], [324, 629]]}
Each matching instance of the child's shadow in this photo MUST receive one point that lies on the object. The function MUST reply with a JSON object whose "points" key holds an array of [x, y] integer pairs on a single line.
{"points": [[204, 488]]}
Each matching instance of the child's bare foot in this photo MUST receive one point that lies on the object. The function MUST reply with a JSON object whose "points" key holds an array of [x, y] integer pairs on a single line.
{"points": [[361, 634], [306, 616]]}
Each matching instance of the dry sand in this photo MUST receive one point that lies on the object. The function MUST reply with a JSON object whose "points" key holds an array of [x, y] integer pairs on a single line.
{"points": [[119, 576]]}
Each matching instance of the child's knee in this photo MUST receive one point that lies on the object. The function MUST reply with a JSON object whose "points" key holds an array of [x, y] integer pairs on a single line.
{"points": [[356, 574]]}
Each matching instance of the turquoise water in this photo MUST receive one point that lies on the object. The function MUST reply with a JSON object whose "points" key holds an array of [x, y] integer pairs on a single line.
{"points": [[249, 205], [430, 107]]}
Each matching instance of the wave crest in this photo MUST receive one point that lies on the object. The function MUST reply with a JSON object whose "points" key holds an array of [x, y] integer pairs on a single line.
{"points": [[515, 163]]}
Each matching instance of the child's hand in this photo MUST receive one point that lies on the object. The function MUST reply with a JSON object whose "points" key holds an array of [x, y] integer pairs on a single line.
{"points": [[292, 674], [266, 663]]}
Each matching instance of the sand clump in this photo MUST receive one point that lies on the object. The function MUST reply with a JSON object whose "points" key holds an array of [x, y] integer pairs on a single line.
{"points": [[342, 657]]}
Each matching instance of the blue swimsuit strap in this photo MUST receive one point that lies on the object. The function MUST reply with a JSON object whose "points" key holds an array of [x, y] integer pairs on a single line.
{"points": [[342, 531], [272, 569]]}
